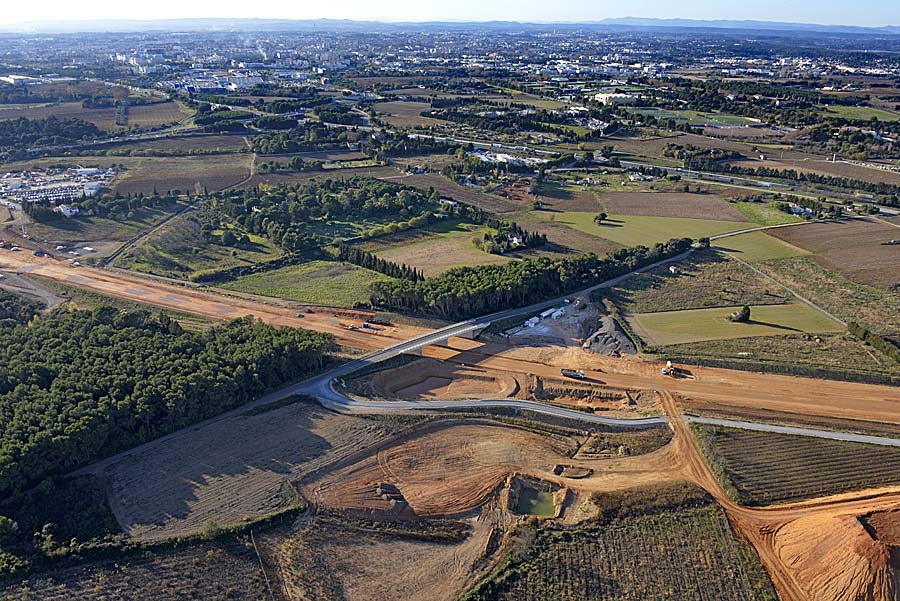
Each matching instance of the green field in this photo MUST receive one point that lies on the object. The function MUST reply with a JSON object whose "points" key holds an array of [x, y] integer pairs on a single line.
{"points": [[764, 213], [860, 113], [758, 246], [696, 117], [677, 327], [630, 230], [437, 248], [316, 283]]}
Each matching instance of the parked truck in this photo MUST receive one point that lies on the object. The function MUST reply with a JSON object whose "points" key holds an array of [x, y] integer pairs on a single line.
{"points": [[578, 374]]}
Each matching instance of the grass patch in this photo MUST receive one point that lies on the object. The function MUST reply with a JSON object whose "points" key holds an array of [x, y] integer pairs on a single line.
{"points": [[706, 279], [764, 213], [758, 246], [317, 283], [631, 230], [676, 327], [835, 352], [875, 308], [860, 113], [436, 249]]}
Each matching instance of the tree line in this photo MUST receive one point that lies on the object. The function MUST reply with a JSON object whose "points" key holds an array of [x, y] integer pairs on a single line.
{"points": [[465, 292], [358, 256], [16, 310], [18, 135]]}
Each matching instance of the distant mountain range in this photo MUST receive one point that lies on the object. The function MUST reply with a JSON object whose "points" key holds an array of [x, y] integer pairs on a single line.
{"points": [[625, 23]]}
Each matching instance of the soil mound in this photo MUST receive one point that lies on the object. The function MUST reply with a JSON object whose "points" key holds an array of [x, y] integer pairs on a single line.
{"points": [[839, 559], [430, 379], [610, 339]]}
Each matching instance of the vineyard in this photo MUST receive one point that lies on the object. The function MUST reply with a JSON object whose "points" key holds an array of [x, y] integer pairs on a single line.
{"points": [[686, 555], [760, 468], [228, 570]]}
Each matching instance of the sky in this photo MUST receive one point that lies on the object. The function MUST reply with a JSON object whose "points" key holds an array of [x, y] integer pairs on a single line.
{"points": [[830, 12]]}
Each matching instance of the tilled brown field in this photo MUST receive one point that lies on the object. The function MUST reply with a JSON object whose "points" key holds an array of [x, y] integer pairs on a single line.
{"points": [[670, 204], [235, 468], [853, 247]]}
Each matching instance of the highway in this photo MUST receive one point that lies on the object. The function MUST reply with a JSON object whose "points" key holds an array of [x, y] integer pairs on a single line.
{"points": [[814, 433]]}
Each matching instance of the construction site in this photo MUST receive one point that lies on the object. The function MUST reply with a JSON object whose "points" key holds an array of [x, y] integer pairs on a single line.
{"points": [[412, 448]]}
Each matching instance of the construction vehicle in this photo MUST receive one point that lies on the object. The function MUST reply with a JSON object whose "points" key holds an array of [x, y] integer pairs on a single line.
{"points": [[672, 371], [578, 374]]}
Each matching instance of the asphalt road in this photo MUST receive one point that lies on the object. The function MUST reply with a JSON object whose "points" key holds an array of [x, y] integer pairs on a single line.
{"points": [[794, 431]]}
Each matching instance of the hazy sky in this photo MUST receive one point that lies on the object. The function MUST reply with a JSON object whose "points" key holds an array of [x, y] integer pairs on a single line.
{"points": [[842, 12]]}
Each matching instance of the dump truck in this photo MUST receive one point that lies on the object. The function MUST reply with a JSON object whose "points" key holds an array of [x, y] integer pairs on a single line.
{"points": [[578, 374]]}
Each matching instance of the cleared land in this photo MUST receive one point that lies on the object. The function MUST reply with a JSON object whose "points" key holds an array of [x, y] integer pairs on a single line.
{"points": [[690, 555], [325, 283], [824, 167], [631, 230], [566, 197], [761, 468], [446, 470], [201, 571], [861, 113], [758, 246], [705, 279], [246, 468], [353, 561], [671, 204], [854, 248], [207, 142], [676, 327]]}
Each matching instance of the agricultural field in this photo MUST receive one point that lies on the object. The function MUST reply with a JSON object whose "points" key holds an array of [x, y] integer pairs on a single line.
{"points": [[189, 174], [854, 248], [825, 167], [248, 464], [274, 179], [221, 570], [696, 118], [436, 248], [860, 113], [662, 204], [564, 196], [875, 308], [562, 238], [104, 235], [695, 325], [705, 279], [758, 246], [205, 143], [405, 115], [762, 468], [631, 230], [180, 250], [325, 283], [687, 554], [140, 116]]}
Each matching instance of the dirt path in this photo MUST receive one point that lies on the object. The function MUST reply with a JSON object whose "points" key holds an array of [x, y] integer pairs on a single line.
{"points": [[206, 303]]}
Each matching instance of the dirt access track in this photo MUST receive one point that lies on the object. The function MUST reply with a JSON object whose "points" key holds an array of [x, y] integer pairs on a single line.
{"points": [[207, 304]]}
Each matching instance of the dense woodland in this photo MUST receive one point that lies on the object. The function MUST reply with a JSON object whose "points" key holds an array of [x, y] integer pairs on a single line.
{"points": [[307, 138], [466, 292], [18, 135], [281, 213], [16, 310], [77, 386]]}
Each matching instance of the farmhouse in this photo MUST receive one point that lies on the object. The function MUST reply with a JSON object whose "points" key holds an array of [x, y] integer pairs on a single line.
{"points": [[66, 210]]}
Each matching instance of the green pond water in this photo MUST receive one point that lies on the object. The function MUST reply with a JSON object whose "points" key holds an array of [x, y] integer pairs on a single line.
{"points": [[535, 502]]}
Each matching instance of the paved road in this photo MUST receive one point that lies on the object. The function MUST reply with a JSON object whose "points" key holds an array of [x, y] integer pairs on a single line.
{"points": [[828, 434]]}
